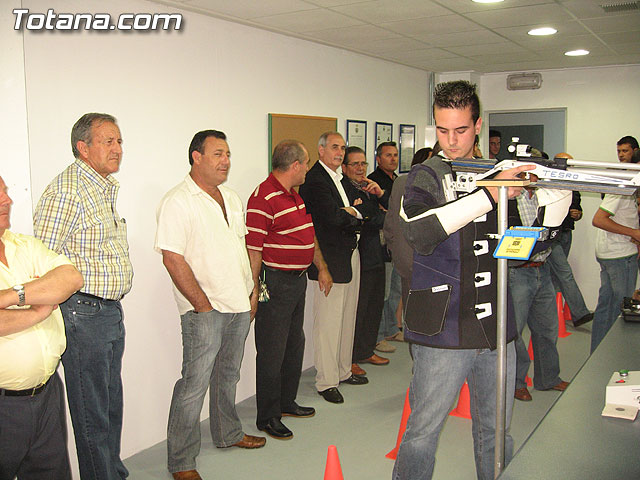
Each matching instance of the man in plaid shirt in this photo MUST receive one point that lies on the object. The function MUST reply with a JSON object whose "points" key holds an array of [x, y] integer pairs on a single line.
{"points": [[77, 216]]}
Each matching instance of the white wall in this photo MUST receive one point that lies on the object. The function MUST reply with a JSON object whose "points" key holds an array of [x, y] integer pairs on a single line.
{"points": [[163, 87], [14, 163], [602, 106]]}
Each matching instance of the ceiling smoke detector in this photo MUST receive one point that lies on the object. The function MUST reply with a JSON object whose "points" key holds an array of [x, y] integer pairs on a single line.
{"points": [[524, 81], [620, 7]]}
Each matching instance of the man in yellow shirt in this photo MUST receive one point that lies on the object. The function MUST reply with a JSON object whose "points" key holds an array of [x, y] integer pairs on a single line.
{"points": [[33, 280]]}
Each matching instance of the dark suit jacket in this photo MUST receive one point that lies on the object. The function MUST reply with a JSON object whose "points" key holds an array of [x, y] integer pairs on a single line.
{"points": [[369, 246], [335, 228]]}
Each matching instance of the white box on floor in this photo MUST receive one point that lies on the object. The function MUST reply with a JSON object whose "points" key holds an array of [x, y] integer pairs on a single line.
{"points": [[624, 390]]}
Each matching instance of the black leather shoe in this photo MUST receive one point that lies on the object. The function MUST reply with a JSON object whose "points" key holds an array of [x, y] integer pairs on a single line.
{"points": [[276, 429], [332, 395], [298, 411], [356, 380], [582, 320]]}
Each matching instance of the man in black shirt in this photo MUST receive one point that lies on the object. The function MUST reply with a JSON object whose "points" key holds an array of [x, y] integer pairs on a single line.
{"points": [[384, 175]]}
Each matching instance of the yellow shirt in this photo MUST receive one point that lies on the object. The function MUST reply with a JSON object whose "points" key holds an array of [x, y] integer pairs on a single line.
{"points": [[28, 358]]}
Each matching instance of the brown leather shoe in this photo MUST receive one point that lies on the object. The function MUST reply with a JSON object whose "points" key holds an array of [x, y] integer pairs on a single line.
{"points": [[187, 475], [249, 441], [522, 394], [561, 387], [375, 360], [356, 370]]}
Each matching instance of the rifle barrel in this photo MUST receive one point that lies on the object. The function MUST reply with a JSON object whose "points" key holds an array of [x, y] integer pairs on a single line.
{"points": [[606, 165]]}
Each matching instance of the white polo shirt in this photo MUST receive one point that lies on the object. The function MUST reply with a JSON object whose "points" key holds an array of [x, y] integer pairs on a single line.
{"points": [[623, 210], [192, 224]]}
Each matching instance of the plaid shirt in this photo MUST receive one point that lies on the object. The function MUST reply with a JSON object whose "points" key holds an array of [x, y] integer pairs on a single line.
{"points": [[528, 209], [77, 216]]}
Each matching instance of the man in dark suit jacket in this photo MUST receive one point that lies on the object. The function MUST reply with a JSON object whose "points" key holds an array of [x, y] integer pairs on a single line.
{"points": [[372, 277], [337, 224]]}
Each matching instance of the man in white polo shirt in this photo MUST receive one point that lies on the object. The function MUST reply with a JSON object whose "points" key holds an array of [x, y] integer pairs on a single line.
{"points": [[33, 281], [616, 252], [201, 234]]}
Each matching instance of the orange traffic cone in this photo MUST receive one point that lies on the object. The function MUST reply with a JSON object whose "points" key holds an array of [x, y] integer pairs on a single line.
{"points": [[463, 409], [406, 411], [333, 471], [567, 312], [527, 378], [562, 328]]}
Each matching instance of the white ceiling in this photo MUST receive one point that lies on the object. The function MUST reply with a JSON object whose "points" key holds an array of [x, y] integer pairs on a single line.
{"points": [[449, 35]]}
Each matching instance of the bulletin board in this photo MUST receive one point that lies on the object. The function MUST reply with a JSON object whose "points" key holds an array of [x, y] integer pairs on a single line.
{"points": [[304, 128]]}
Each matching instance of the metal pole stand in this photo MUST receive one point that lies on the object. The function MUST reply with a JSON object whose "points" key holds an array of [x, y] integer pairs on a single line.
{"points": [[501, 341]]}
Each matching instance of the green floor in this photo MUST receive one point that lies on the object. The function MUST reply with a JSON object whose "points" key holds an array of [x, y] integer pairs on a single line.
{"points": [[364, 429]]}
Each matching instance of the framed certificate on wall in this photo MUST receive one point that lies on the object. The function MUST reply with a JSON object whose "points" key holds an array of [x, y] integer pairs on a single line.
{"points": [[357, 134], [384, 133]]}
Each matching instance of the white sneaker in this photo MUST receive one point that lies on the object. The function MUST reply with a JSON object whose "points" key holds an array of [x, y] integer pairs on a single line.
{"points": [[397, 337], [384, 346]]}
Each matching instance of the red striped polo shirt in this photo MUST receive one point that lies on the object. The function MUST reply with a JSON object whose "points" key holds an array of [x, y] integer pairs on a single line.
{"points": [[279, 226]]}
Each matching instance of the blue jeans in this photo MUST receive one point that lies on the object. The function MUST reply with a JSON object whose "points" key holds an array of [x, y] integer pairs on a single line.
{"points": [[393, 294], [564, 239], [438, 375], [534, 304], [212, 351], [92, 365], [562, 277], [617, 280]]}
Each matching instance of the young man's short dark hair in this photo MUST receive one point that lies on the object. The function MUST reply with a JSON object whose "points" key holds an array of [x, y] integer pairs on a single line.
{"points": [[458, 94]]}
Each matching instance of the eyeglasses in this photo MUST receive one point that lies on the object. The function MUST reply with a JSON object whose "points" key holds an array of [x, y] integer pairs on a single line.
{"points": [[358, 164]]}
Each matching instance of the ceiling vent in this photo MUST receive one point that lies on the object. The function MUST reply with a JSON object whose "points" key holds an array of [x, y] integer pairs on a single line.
{"points": [[620, 7], [524, 81]]}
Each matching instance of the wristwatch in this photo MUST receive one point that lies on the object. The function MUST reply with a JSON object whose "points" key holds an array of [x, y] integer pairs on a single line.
{"points": [[19, 289]]}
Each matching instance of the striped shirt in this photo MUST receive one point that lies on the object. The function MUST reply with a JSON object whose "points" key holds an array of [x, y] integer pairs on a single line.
{"points": [[280, 227], [77, 216]]}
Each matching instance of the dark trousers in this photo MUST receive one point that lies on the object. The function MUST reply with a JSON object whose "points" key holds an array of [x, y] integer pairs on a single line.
{"points": [[369, 313], [33, 435], [279, 344]]}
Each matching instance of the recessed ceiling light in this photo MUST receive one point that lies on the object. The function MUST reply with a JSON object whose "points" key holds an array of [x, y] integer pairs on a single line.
{"points": [[488, 1], [542, 31], [576, 53]]}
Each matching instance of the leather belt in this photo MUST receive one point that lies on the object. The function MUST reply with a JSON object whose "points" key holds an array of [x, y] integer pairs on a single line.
{"points": [[95, 297], [29, 392], [297, 273], [530, 265]]}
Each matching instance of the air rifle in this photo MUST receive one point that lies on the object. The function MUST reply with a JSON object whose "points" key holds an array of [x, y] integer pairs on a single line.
{"points": [[559, 173]]}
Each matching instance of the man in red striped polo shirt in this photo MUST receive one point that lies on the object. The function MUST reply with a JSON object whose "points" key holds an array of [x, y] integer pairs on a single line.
{"points": [[282, 244]]}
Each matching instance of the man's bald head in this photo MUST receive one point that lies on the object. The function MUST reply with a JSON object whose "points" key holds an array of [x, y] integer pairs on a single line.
{"points": [[564, 155]]}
